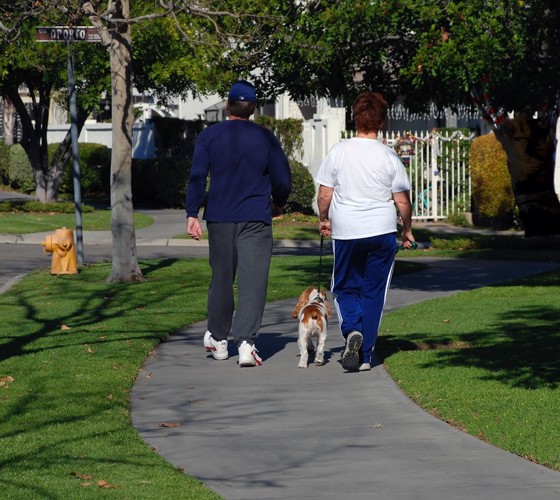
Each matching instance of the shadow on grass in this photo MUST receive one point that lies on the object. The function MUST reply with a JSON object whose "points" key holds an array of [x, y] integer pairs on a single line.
{"points": [[86, 311], [149, 267], [526, 353], [42, 313], [522, 350], [42, 328]]}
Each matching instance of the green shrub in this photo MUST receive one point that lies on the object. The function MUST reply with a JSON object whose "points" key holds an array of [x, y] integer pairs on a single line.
{"points": [[95, 168], [170, 189], [458, 219], [290, 134], [20, 173], [454, 243], [303, 189], [175, 138], [4, 163], [144, 176], [40, 207], [288, 131], [491, 183], [162, 181]]}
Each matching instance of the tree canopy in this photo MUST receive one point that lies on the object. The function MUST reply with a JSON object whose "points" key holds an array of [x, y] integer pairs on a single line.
{"points": [[502, 56], [332, 49], [507, 50], [503, 53], [42, 70]]}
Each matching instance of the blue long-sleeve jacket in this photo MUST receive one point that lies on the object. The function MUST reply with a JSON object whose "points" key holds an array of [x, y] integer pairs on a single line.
{"points": [[247, 169]]}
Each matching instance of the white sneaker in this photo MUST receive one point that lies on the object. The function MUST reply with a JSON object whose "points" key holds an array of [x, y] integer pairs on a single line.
{"points": [[365, 367], [248, 355], [219, 349]]}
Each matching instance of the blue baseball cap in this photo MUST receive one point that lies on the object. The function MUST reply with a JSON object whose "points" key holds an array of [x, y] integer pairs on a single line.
{"points": [[242, 90]]}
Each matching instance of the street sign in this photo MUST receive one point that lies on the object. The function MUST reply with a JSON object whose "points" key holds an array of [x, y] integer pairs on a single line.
{"points": [[67, 34]]}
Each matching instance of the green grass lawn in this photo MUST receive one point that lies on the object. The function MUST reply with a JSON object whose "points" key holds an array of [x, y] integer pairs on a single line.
{"points": [[286, 227], [462, 244], [38, 222], [486, 361]]}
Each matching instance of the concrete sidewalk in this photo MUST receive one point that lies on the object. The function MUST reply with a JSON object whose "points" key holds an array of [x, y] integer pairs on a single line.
{"points": [[281, 432]]}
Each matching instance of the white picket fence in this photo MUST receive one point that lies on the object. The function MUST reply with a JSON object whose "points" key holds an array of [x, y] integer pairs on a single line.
{"points": [[438, 168]]}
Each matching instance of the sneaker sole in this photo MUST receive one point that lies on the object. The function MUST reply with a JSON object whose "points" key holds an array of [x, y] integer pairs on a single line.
{"points": [[253, 362], [219, 357], [250, 362], [351, 355]]}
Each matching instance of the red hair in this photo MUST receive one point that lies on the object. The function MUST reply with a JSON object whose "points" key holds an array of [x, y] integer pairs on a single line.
{"points": [[370, 111]]}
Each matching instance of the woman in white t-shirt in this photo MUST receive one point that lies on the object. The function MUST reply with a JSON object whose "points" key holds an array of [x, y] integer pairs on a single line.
{"points": [[362, 183]]}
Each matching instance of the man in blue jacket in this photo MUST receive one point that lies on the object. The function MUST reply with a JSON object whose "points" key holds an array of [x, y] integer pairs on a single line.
{"points": [[249, 178]]}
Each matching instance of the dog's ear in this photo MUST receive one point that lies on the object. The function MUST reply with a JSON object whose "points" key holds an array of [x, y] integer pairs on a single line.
{"points": [[303, 300], [327, 305]]}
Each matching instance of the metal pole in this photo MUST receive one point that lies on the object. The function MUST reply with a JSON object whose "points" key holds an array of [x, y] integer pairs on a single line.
{"points": [[434, 178], [75, 157]]}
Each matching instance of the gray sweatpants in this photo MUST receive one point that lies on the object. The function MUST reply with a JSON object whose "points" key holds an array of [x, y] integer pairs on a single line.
{"points": [[241, 249]]}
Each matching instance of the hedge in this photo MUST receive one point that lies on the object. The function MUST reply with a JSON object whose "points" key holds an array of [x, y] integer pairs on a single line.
{"points": [[20, 173], [491, 182], [95, 170]]}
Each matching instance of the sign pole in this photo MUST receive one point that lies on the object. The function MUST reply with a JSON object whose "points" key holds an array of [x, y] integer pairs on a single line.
{"points": [[71, 34], [75, 157]]}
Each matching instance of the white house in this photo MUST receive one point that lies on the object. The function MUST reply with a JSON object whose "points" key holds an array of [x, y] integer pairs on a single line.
{"points": [[324, 121]]}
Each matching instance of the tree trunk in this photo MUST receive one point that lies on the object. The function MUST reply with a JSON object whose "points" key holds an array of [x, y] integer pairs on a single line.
{"points": [[530, 151], [45, 191], [9, 121], [125, 261], [34, 141]]}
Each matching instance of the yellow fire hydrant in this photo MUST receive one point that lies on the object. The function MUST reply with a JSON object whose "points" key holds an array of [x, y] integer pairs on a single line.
{"points": [[61, 246]]}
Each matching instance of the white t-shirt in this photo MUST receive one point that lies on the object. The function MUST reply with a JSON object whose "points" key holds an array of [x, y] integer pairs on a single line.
{"points": [[364, 174]]}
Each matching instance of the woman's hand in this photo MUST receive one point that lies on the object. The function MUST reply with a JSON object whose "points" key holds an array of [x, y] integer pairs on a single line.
{"points": [[325, 228], [407, 239]]}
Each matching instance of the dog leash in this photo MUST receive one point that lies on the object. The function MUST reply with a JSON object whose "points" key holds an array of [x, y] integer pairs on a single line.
{"points": [[320, 268]]}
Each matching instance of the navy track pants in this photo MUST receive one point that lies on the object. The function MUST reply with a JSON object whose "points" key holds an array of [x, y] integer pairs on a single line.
{"points": [[361, 277]]}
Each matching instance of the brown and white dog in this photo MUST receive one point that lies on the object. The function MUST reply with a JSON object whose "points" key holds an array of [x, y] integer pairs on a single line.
{"points": [[312, 311]]}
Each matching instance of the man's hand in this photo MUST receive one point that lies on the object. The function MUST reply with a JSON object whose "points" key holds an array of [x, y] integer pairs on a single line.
{"points": [[276, 210], [194, 229]]}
